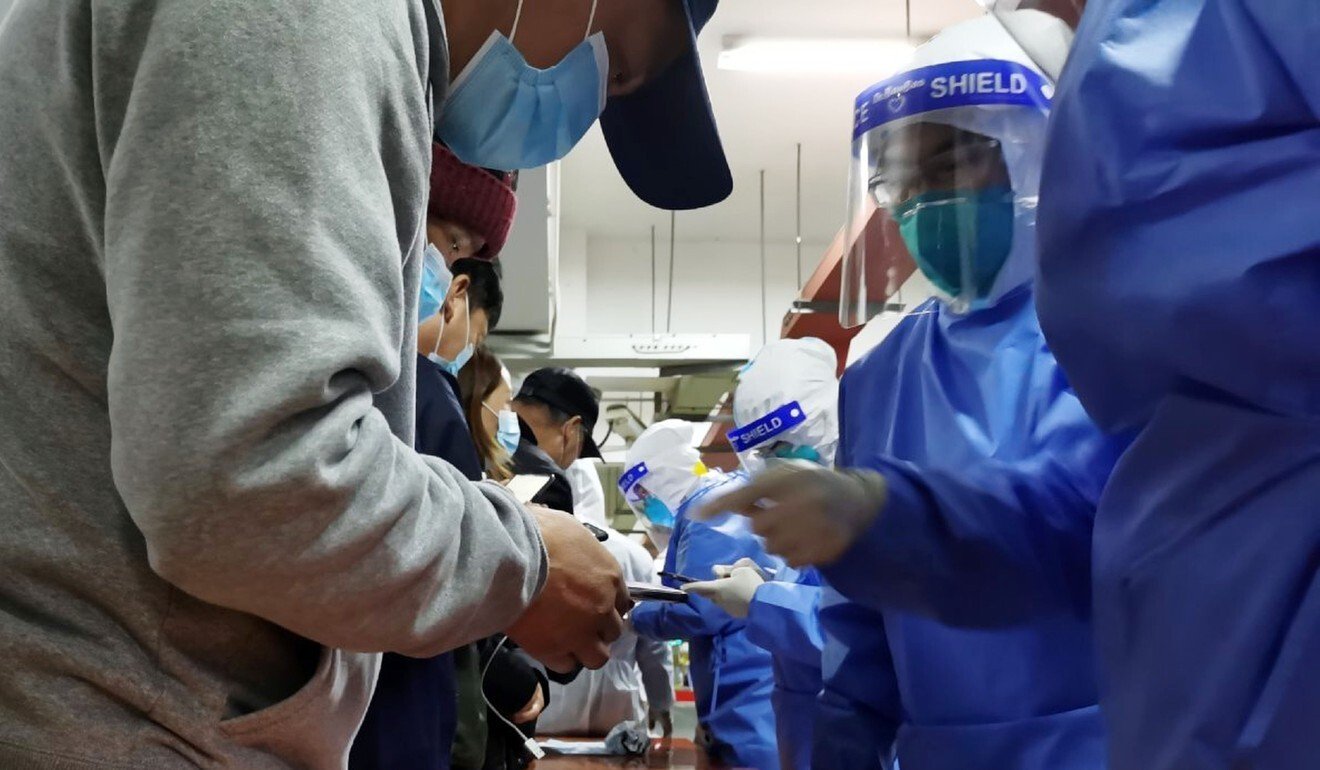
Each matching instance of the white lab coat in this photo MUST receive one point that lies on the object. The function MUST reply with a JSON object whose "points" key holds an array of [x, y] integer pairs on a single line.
{"points": [[588, 494], [639, 671]]}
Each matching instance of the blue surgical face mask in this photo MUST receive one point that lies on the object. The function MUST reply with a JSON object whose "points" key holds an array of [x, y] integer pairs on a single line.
{"points": [[464, 355], [509, 432], [791, 452], [504, 113], [941, 227], [658, 513], [435, 282]]}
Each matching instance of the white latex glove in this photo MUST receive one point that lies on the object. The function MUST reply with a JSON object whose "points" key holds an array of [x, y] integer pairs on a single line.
{"points": [[734, 593], [807, 513], [724, 570]]}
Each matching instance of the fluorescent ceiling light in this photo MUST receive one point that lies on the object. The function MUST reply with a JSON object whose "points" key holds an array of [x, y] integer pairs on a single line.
{"points": [[814, 56]]}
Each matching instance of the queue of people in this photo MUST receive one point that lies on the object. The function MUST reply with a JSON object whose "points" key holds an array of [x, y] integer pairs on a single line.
{"points": [[262, 476]]}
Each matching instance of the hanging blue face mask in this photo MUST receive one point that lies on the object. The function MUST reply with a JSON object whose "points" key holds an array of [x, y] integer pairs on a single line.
{"points": [[464, 355], [435, 283], [504, 113], [940, 227]]}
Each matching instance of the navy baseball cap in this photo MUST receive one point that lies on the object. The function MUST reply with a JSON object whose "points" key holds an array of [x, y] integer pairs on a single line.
{"points": [[663, 136]]}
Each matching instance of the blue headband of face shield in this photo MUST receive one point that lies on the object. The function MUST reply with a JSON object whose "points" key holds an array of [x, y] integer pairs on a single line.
{"points": [[652, 507], [758, 438]]}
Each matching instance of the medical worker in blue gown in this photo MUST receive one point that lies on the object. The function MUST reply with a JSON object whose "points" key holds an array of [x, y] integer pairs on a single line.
{"points": [[955, 539], [785, 406], [731, 677], [1180, 287]]}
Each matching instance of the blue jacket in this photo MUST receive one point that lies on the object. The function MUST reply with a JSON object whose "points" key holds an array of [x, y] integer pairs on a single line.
{"points": [[730, 676], [976, 574], [784, 620], [1180, 260]]}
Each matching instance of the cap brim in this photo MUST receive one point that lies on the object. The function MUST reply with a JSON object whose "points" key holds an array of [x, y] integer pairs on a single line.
{"points": [[664, 140], [589, 449]]}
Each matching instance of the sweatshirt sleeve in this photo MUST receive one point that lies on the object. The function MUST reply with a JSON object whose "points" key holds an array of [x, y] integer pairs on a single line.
{"points": [[261, 178]]}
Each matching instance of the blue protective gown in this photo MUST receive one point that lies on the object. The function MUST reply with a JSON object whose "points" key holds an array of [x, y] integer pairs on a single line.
{"points": [[731, 676], [975, 575], [784, 620], [1179, 286]]}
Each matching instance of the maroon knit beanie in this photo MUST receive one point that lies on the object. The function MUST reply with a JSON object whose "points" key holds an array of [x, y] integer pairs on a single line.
{"points": [[472, 197]]}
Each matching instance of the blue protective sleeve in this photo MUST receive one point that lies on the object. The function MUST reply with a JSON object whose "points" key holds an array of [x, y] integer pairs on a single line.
{"points": [[783, 621], [665, 621], [860, 696], [698, 546], [984, 547]]}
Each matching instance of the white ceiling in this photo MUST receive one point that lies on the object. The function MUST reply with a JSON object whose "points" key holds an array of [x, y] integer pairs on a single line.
{"points": [[762, 117]]}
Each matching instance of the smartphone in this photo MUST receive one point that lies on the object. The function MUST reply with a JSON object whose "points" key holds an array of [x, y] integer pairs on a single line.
{"points": [[655, 593], [677, 578], [524, 488]]}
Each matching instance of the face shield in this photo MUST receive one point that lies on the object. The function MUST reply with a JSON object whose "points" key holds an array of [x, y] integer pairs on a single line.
{"points": [[945, 166], [644, 491], [947, 157], [761, 441], [786, 405]]}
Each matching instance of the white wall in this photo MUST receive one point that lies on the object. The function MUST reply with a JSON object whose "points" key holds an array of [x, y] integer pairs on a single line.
{"points": [[571, 320], [717, 285]]}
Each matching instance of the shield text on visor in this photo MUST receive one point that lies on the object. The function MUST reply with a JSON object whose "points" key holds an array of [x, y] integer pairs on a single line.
{"points": [[756, 441], [930, 185]]}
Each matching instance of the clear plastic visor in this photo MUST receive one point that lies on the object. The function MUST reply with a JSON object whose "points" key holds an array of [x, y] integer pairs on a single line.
{"points": [[928, 196]]}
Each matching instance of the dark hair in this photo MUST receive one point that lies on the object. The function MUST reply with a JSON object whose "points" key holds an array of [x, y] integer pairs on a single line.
{"points": [[476, 381], [484, 290], [557, 416]]}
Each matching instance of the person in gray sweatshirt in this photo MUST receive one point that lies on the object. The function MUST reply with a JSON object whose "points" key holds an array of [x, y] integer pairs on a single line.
{"points": [[211, 225]]}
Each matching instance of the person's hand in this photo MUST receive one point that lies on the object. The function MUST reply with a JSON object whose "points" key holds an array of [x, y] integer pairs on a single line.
{"points": [[724, 570], [807, 513], [734, 593], [532, 710], [580, 610], [655, 717]]}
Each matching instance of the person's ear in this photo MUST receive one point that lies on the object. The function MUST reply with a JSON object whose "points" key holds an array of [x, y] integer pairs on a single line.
{"points": [[457, 288], [574, 437]]}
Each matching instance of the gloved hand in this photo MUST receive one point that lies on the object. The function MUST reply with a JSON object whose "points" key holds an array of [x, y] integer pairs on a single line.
{"points": [[724, 570], [734, 593], [580, 610], [807, 513], [655, 717]]}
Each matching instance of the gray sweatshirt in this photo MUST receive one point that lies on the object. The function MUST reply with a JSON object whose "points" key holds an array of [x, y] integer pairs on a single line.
{"points": [[211, 215]]}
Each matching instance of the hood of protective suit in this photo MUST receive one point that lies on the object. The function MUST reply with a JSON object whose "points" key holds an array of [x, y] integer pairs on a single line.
{"points": [[788, 371], [673, 465], [1043, 47]]}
